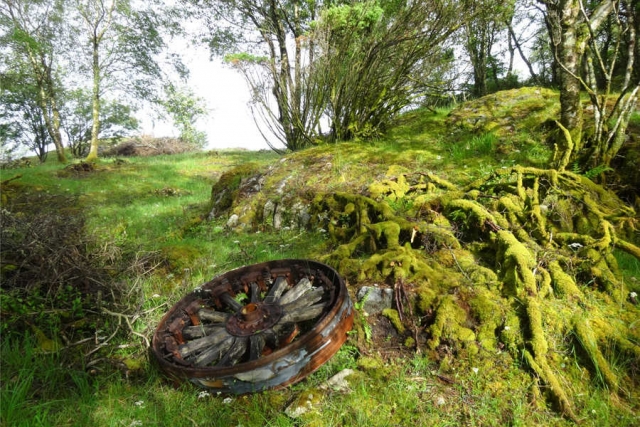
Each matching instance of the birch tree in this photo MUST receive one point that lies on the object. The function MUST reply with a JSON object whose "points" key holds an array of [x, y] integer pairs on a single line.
{"points": [[480, 34], [123, 41], [98, 17], [573, 25], [33, 31]]}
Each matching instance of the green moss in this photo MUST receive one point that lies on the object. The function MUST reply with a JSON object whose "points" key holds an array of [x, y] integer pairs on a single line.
{"points": [[511, 334], [489, 310], [544, 283], [180, 257], [537, 339], [374, 367], [513, 207], [479, 214], [438, 236], [426, 298], [225, 191], [349, 208], [540, 366], [403, 263], [394, 318], [481, 276], [596, 263], [449, 324], [588, 340], [394, 187], [387, 232], [563, 284], [517, 264]]}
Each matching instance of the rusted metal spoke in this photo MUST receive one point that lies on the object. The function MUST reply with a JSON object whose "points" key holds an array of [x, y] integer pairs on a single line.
{"points": [[230, 302], [294, 293]]}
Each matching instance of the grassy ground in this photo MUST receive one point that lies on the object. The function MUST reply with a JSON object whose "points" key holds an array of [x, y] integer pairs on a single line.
{"points": [[66, 363]]}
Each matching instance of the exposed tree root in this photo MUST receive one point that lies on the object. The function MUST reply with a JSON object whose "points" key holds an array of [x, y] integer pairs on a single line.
{"points": [[518, 260]]}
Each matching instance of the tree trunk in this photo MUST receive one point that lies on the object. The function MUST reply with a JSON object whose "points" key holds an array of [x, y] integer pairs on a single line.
{"points": [[52, 123], [95, 101], [47, 102], [57, 137], [569, 33], [478, 55], [564, 19]]}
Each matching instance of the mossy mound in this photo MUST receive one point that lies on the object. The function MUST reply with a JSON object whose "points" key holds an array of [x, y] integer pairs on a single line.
{"points": [[520, 260], [498, 258], [506, 112]]}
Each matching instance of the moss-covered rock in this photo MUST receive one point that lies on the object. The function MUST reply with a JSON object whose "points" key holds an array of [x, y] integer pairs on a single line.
{"points": [[494, 264], [232, 186], [507, 111]]}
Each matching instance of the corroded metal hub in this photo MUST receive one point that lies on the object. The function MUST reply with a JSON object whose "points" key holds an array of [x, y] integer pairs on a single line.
{"points": [[252, 318]]}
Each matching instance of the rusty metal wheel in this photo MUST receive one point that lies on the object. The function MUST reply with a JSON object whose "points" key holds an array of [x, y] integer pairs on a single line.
{"points": [[258, 327]]}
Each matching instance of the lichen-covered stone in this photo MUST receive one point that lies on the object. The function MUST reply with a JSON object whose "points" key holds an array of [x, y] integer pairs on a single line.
{"points": [[374, 299], [244, 179]]}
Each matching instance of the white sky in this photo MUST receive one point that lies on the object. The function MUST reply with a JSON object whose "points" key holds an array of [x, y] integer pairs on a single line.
{"points": [[229, 124]]}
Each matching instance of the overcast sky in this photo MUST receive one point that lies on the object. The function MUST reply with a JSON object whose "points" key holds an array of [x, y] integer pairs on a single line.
{"points": [[229, 124]]}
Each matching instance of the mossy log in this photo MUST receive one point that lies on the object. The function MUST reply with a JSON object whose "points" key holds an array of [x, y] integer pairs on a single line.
{"points": [[516, 260]]}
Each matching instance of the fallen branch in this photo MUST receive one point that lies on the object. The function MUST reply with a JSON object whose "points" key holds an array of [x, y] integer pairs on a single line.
{"points": [[128, 321]]}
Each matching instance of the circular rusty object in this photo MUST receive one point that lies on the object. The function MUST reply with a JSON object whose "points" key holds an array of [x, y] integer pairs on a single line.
{"points": [[253, 318], [259, 327]]}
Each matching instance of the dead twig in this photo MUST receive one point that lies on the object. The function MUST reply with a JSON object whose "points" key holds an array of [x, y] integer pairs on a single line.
{"points": [[6, 181], [129, 324]]}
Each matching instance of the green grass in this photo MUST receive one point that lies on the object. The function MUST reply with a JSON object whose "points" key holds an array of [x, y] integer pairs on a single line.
{"points": [[407, 391], [630, 268], [476, 146], [147, 213]]}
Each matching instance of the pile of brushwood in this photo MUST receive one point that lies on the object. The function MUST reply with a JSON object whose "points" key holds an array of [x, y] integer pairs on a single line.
{"points": [[521, 260], [53, 275]]}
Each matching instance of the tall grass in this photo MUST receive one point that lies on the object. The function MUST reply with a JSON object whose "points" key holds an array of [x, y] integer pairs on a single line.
{"points": [[476, 146]]}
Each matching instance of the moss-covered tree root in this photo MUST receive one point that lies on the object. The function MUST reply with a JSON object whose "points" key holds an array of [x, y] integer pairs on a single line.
{"points": [[521, 259]]}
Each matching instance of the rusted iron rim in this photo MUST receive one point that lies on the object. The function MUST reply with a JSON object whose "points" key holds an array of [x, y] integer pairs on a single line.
{"points": [[302, 356]]}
